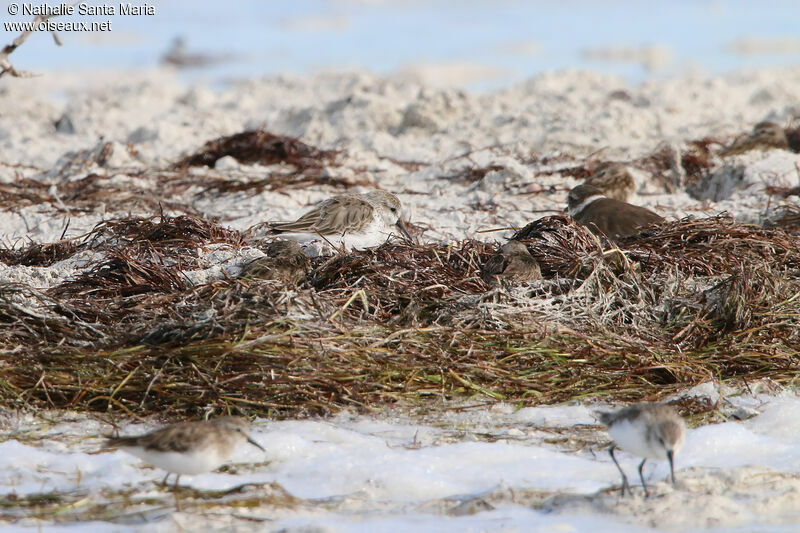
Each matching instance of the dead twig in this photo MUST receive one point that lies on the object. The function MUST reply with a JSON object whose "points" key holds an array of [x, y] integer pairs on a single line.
{"points": [[5, 64]]}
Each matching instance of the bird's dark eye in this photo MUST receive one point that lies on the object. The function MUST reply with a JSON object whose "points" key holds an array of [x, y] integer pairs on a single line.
{"points": [[393, 209]]}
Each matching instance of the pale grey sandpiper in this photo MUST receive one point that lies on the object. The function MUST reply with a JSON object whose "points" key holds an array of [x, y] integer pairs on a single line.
{"points": [[649, 430], [355, 221], [188, 447]]}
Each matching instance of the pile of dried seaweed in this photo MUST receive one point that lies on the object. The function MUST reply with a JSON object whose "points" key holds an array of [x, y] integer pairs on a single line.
{"points": [[306, 164], [36, 254], [402, 323], [712, 246], [405, 284], [706, 247], [559, 245], [178, 236], [259, 146], [786, 219], [87, 182], [679, 168], [98, 191]]}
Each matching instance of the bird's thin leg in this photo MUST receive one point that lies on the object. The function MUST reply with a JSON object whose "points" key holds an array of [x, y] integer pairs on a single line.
{"points": [[641, 476], [177, 477], [164, 481], [625, 484], [177, 496], [671, 466]]}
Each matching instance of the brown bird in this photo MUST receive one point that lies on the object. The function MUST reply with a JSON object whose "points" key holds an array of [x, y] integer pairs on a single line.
{"points": [[513, 263], [614, 179], [765, 136], [589, 207], [284, 261]]}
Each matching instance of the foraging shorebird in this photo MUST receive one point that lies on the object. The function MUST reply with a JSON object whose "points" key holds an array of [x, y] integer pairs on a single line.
{"points": [[355, 221], [614, 180], [649, 430], [188, 447], [765, 136], [591, 208], [284, 261], [514, 263]]}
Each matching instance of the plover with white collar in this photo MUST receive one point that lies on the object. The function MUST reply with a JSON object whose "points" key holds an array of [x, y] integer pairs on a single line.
{"points": [[589, 207]]}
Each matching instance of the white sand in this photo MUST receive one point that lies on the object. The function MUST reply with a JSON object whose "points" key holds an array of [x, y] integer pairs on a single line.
{"points": [[497, 469], [152, 120]]}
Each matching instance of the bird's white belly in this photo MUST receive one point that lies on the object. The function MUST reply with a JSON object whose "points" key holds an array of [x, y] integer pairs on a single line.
{"points": [[631, 437], [196, 462], [372, 236]]}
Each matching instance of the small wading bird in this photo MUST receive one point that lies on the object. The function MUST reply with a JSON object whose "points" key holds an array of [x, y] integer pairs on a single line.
{"points": [[589, 207], [284, 261], [765, 136], [614, 180], [188, 447], [355, 221], [649, 430], [513, 263]]}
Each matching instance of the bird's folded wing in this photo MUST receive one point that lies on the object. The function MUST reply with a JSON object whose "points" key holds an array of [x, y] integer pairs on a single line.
{"points": [[176, 438], [335, 215]]}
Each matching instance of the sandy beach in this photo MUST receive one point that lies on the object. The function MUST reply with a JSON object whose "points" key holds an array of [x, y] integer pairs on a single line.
{"points": [[80, 150], [404, 137]]}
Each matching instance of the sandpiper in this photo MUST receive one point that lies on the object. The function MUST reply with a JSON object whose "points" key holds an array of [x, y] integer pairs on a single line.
{"points": [[614, 180], [188, 447], [514, 262], [355, 221], [649, 430], [765, 136], [285, 261], [591, 208]]}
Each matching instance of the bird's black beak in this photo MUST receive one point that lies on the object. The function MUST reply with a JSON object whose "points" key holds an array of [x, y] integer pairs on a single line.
{"points": [[254, 443], [671, 466], [402, 226]]}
